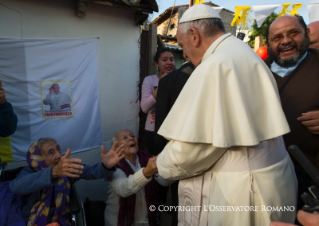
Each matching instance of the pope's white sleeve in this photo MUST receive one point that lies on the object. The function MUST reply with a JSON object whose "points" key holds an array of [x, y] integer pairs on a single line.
{"points": [[162, 181], [181, 160]]}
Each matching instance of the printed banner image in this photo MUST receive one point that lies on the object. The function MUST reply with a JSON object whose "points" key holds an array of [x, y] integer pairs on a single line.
{"points": [[56, 103], [45, 80]]}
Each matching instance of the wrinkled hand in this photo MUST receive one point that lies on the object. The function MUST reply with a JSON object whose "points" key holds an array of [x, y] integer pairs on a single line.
{"points": [[311, 121], [67, 167], [2, 94], [306, 219], [111, 158], [150, 168], [51, 90]]}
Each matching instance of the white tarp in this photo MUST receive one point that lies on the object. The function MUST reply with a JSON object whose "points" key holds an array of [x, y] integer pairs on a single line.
{"points": [[313, 10], [218, 9], [262, 12], [53, 87]]}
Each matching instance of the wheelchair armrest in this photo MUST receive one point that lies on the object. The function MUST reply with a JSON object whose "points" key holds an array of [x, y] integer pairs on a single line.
{"points": [[7, 175], [75, 205]]}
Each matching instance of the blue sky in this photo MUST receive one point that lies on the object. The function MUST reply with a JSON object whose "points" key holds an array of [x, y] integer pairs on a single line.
{"points": [[230, 4]]}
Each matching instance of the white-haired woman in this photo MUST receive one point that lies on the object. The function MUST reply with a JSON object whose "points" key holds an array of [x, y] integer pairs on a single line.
{"points": [[133, 186]]}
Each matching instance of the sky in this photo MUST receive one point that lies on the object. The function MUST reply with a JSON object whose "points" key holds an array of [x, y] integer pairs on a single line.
{"points": [[230, 4]]}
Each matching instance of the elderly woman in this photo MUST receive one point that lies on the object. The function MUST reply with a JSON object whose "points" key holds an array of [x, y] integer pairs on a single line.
{"points": [[45, 184], [133, 186]]}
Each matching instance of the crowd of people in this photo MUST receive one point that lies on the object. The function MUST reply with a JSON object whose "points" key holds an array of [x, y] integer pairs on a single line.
{"points": [[217, 131]]}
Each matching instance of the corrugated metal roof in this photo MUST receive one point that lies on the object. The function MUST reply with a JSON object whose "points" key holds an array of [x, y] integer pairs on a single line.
{"points": [[173, 46], [147, 6]]}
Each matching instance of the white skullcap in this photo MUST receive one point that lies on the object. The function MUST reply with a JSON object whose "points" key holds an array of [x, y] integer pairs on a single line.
{"points": [[199, 11]]}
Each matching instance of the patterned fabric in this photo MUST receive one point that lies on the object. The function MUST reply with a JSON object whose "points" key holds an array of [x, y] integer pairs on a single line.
{"points": [[53, 224], [61, 192], [9, 206], [127, 205]]}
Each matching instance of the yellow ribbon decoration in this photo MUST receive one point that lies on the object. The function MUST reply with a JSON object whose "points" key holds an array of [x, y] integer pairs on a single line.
{"points": [[240, 17], [295, 8], [284, 10], [198, 2]]}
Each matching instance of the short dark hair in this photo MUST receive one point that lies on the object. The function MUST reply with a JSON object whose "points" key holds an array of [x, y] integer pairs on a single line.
{"points": [[159, 53], [301, 21]]}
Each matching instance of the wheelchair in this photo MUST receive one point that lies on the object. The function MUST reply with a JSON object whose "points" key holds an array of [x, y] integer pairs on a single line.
{"points": [[76, 204]]}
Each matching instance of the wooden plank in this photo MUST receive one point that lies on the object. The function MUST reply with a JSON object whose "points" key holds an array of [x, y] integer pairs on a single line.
{"points": [[143, 73]]}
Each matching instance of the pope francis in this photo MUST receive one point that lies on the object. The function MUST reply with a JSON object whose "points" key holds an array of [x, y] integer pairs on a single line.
{"points": [[225, 132]]}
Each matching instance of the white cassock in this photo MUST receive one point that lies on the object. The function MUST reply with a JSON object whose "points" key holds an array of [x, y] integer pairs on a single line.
{"points": [[58, 102], [225, 142]]}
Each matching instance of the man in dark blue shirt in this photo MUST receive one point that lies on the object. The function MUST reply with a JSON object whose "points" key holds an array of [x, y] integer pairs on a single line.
{"points": [[8, 119]]}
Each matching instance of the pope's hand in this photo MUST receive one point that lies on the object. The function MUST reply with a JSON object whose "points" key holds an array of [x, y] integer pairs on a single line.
{"points": [[281, 224], [311, 121], [51, 90], [67, 167], [111, 158], [306, 219]]}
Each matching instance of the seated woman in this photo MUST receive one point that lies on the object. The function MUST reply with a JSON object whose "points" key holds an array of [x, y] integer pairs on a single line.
{"points": [[133, 186], [45, 184]]}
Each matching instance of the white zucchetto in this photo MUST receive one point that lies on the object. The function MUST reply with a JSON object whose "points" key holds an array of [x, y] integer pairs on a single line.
{"points": [[197, 12]]}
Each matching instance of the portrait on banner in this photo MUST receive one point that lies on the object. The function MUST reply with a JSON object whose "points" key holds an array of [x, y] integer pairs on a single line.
{"points": [[56, 99]]}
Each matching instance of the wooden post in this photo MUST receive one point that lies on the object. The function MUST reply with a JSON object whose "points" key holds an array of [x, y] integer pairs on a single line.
{"points": [[152, 46], [258, 42], [143, 74]]}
